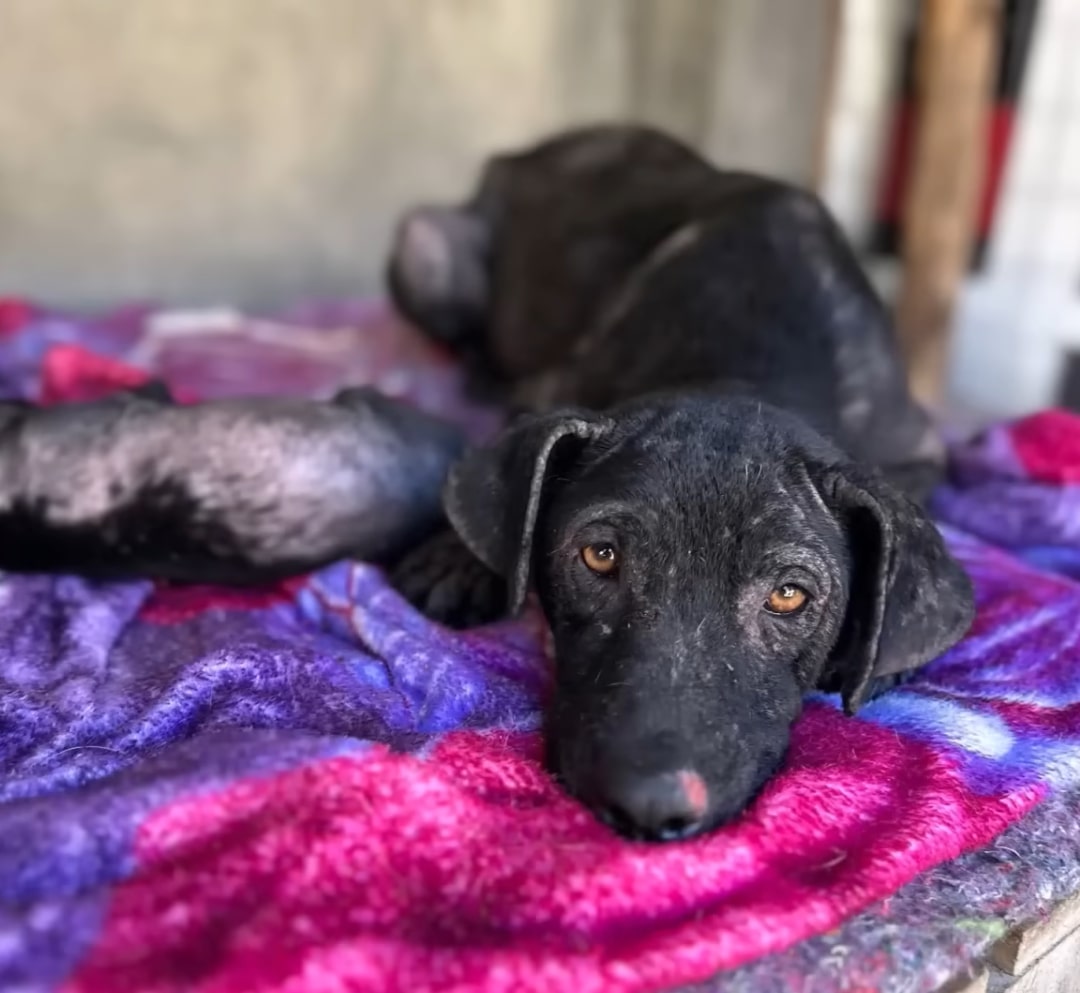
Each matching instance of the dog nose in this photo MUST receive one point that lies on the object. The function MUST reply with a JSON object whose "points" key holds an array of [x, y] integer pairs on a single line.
{"points": [[659, 807]]}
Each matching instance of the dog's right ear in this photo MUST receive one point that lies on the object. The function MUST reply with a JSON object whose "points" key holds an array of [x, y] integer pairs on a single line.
{"points": [[492, 496], [438, 270], [910, 600]]}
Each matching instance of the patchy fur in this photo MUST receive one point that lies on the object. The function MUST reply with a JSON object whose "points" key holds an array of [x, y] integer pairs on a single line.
{"points": [[233, 491]]}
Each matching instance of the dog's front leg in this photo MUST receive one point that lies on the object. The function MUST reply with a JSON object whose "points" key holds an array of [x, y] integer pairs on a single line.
{"points": [[448, 584]]}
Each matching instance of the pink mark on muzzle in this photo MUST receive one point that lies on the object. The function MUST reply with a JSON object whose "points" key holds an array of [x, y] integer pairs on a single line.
{"points": [[697, 793]]}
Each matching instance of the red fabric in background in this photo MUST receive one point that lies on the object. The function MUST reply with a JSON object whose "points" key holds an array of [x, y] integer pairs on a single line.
{"points": [[1048, 445]]}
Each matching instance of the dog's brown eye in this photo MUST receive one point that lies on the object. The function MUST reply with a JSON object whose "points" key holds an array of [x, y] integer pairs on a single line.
{"points": [[601, 559], [786, 599]]}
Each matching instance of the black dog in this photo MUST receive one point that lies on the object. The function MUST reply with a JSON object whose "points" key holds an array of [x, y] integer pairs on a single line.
{"points": [[233, 491], [711, 504]]}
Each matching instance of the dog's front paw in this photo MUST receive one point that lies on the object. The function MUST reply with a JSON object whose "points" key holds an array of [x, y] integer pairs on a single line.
{"points": [[448, 584]]}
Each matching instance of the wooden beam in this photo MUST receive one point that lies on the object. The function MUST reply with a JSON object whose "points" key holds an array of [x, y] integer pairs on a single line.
{"points": [[1055, 972], [955, 61], [1016, 953]]}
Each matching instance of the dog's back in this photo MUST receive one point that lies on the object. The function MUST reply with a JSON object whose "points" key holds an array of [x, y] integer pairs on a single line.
{"points": [[614, 262], [762, 297]]}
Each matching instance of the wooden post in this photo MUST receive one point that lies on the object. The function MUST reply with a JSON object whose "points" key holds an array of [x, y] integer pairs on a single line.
{"points": [[955, 61]]}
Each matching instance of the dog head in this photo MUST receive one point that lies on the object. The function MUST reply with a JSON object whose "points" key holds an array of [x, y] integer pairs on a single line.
{"points": [[703, 562]]}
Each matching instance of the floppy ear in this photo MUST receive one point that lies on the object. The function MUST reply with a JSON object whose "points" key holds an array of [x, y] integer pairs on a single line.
{"points": [[909, 599], [492, 496], [438, 272]]}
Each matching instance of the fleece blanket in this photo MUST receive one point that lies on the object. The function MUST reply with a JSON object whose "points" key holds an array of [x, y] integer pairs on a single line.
{"points": [[311, 787]]}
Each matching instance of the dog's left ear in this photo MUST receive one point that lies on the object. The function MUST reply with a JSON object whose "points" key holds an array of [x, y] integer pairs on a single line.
{"points": [[492, 496], [910, 600]]}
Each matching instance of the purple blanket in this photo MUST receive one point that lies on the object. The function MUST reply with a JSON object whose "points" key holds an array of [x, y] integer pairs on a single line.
{"points": [[311, 787]]}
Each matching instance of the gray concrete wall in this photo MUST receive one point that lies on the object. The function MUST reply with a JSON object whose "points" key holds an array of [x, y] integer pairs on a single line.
{"points": [[256, 151]]}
